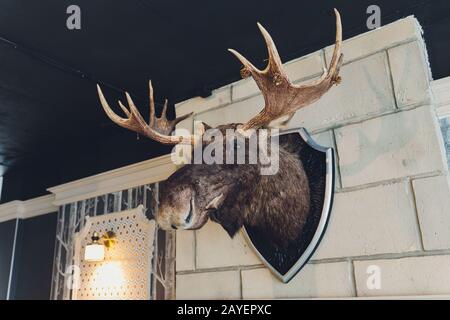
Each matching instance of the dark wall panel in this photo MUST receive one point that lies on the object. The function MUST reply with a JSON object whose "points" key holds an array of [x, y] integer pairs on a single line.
{"points": [[7, 232], [34, 258]]}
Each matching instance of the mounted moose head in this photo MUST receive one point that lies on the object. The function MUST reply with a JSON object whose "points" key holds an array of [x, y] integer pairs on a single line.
{"points": [[231, 194]]}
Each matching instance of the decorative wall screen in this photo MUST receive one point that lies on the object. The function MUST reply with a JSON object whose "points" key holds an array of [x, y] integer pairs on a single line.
{"points": [[72, 218], [124, 274]]}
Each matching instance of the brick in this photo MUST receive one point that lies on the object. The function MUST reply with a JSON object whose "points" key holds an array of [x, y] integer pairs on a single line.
{"points": [[218, 97], [433, 206], [216, 249], [327, 280], [209, 285], [406, 277], [305, 67], [365, 44], [326, 139], [185, 254], [365, 90], [301, 68], [371, 221], [243, 89], [237, 112], [187, 124], [411, 74], [393, 146]]}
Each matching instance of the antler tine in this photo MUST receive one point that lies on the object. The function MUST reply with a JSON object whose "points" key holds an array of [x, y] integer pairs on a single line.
{"points": [[152, 103], [135, 122], [338, 44], [330, 76], [275, 64], [111, 114], [181, 118], [124, 109], [249, 68], [273, 68], [281, 96], [164, 110], [134, 111]]}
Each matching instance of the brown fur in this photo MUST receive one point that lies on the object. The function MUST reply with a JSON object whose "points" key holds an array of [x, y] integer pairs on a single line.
{"points": [[277, 204]]}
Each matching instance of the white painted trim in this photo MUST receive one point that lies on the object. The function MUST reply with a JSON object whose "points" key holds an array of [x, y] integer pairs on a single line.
{"points": [[27, 209], [138, 174], [11, 210], [149, 171], [441, 91], [38, 206]]}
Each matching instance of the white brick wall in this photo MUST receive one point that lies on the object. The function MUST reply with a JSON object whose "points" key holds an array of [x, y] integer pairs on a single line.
{"points": [[376, 220], [185, 250], [389, 36], [240, 111], [209, 285], [389, 147], [392, 201], [326, 139], [215, 248], [410, 74], [433, 206], [406, 276], [315, 280], [221, 96], [365, 90]]}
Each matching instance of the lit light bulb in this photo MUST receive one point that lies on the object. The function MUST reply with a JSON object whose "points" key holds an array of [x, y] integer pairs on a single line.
{"points": [[94, 251]]}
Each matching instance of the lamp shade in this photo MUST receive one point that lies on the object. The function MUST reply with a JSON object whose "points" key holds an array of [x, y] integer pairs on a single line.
{"points": [[94, 252]]}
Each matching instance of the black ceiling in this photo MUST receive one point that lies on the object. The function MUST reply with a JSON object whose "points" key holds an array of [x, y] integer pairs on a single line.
{"points": [[52, 129]]}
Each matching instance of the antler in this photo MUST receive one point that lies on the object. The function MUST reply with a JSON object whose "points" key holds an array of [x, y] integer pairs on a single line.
{"points": [[281, 96], [158, 129]]}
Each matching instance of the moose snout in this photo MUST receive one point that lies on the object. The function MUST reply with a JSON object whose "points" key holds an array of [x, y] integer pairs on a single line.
{"points": [[179, 217], [185, 220]]}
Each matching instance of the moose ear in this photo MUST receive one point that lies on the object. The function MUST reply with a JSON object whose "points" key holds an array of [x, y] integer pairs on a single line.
{"points": [[206, 126], [216, 202], [200, 127]]}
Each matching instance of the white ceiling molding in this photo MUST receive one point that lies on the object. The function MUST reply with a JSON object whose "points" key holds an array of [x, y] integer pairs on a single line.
{"points": [[27, 209], [11, 210], [149, 171], [441, 91]]}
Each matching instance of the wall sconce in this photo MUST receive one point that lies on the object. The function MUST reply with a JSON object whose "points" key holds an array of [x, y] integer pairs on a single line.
{"points": [[95, 251]]}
